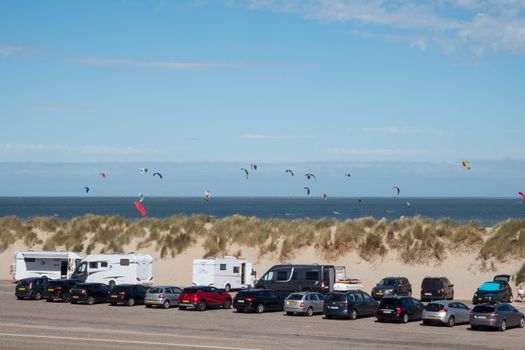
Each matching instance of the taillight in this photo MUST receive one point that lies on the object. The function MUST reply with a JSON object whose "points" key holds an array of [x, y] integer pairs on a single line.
{"points": [[301, 304], [161, 295], [123, 293], [30, 285], [399, 310], [492, 315], [250, 299], [322, 284], [344, 303], [58, 287], [441, 291], [84, 291], [444, 309]]}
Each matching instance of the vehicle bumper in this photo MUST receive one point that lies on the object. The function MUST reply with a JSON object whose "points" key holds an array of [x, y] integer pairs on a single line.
{"points": [[190, 304], [294, 308], [154, 301], [243, 306], [387, 317], [488, 322], [435, 317], [79, 298], [342, 312]]}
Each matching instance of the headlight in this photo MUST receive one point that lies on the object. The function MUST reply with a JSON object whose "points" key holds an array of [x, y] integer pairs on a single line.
{"points": [[389, 291]]}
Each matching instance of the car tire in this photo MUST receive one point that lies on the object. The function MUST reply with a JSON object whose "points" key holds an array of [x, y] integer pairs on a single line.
{"points": [[201, 306], [130, 302], [66, 297], [259, 308], [289, 313], [182, 307], [227, 304], [451, 321], [309, 312], [503, 326], [522, 322], [227, 288], [353, 314], [165, 304], [90, 300], [37, 296], [426, 323], [404, 318]]}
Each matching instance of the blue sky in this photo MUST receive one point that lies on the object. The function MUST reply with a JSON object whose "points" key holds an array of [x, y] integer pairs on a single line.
{"points": [[218, 84]]}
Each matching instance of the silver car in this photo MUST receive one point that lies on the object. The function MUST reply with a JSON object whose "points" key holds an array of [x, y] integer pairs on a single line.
{"points": [[305, 303], [449, 312], [164, 296]]}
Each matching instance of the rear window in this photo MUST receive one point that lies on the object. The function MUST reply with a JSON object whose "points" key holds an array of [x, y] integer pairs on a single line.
{"points": [[191, 290], [295, 297], [490, 287], [389, 303], [23, 282], [432, 283], [433, 307], [249, 294], [483, 309], [336, 297], [155, 290], [120, 288], [55, 283]]}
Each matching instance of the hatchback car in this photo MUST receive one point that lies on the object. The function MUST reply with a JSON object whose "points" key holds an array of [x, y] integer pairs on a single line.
{"points": [[493, 292], [165, 296], [402, 309], [392, 286], [436, 288], [90, 293], [204, 297], [448, 312], [351, 304], [258, 300], [59, 289], [31, 288], [499, 316], [127, 294], [304, 303]]}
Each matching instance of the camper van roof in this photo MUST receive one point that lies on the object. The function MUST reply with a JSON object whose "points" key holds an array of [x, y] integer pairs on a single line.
{"points": [[302, 265], [49, 255], [117, 256]]}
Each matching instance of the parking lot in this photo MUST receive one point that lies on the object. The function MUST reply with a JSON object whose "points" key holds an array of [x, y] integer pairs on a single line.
{"points": [[43, 325]]}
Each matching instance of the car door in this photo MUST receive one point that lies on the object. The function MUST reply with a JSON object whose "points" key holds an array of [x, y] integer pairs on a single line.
{"points": [[175, 295], [359, 304], [461, 312], [369, 304], [316, 303], [416, 309], [102, 292], [514, 315], [321, 302]]}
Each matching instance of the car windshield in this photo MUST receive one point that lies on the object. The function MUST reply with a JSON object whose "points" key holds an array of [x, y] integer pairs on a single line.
{"points": [[295, 297], [388, 282], [483, 309], [434, 307], [490, 287], [432, 283], [336, 297], [155, 290]]}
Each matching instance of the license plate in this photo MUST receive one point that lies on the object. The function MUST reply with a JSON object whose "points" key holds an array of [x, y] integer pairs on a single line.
{"points": [[185, 301], [240, 301], [114, 296], [334, 307], [431, 317], [75, 296], [428, 293], [150, 301], [293, 302], [386, 311], [481, 317], [50, 290], [380, 293], [22, 288]]}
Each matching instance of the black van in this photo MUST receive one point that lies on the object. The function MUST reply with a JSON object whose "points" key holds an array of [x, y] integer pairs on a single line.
{"points": [[436, 288], [285, 279]]}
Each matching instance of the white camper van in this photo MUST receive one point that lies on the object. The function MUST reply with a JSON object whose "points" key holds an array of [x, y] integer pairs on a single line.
{"points": [[113, 269], [228, 273], [53, 265]]}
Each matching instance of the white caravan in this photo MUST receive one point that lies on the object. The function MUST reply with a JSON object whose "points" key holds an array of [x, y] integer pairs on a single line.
{"points": [[228, 273], [53, 265], [113, 269]]}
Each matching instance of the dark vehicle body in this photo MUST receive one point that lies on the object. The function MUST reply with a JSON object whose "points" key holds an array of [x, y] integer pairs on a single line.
{"points": [[59, 289], [128, 294], [500, 316], [392, 286], [496, 291], [204, 297], [402, 309], [436, 288], [89, 293], [351, 304], [258, 300], [31, 288], [288, 278]]}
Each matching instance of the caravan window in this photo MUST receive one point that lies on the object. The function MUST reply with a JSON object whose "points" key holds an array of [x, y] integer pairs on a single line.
{"points": [[282, 275], [236, 269], [103, 264], [93, 264], [29, 260], [312, 275], [223, 267], [124, 262]]}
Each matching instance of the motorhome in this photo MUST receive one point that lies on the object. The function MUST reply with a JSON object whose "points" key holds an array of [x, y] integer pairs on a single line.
{"points": [[288, 278], [228, 273], [114, 269], [53, 265]]}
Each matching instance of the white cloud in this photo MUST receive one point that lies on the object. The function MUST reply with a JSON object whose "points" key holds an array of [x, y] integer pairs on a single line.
{"points": [[174, 65], [9, 50], [85, 149]]}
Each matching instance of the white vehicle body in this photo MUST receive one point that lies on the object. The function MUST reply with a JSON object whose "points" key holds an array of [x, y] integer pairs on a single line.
{"points": [[228, 273], [113, 269], [340, 272], [53, 265], [348, 283]]}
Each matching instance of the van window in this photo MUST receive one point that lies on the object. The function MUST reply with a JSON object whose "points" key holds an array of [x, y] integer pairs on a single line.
{"points": [[124, 262], [312, 275], [223, 267], [282, 275], [103, 264], [268, 276], [93, 264], [236, 269], [82, 267], [29, 259]]}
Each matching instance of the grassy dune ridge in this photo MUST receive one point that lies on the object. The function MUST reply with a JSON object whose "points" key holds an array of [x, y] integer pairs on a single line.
{"points": [[415, 240]]}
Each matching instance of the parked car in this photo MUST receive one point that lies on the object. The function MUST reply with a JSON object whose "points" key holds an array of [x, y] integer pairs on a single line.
{"points": [[392, 286], [258, 300], [289, 278], [304, 303], [31, 288], [351, 304], [501, 316], [204, 297], [127, 294], [59, 289], [165, 296], [448, 312], [436, 288], [496, 291], [90, 293], [402, 309]]}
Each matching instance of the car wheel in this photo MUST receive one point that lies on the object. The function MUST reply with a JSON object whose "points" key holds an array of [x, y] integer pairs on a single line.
{"points": [[201, 306], [309, 312], [227, 304], [165, 304], [259, 308], [90, 300], [37, 296], [289, 313], [227, 288], [503, 326], [451, 321], [426, 323], [353, 314], [522, 322], [130, 302], [66, 297], [404, 318], [112, 284], [182, 307]]}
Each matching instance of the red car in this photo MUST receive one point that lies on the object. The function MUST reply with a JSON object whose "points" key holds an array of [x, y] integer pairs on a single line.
{"points": [[203, 297]]}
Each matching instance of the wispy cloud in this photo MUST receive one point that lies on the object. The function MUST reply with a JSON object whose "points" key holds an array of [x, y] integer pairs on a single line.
{"points": [[378, 152], [10, 50], [479, 26], [273, 137], [85, 149], [402, 130], [173, 65]]}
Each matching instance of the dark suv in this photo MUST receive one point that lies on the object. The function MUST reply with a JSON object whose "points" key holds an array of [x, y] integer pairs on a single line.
{"points": [[31, 288], [496, 291], [436, 288], [129, 294], [402, 309], [90, 293], [59, 289], [349, 304], [392, 286], [258, 300]]}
